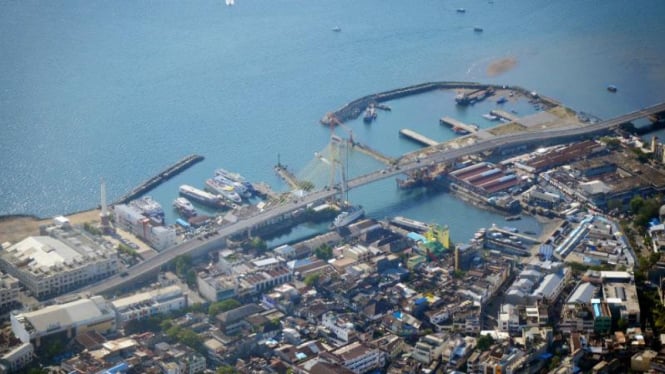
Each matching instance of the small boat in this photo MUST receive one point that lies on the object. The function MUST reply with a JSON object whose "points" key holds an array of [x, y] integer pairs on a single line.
{"points": [[501, 100], [514, 218], [612, 88], [461, 10], [478, 29], [370, 114], [530, 233], [184, 207], [230, 2], [490, 117], [336, 29]]}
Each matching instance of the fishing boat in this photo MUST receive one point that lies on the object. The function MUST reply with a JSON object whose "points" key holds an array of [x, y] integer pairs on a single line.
{"points": [[478, 29], [336, 29], [461, 10], [612, 88]]}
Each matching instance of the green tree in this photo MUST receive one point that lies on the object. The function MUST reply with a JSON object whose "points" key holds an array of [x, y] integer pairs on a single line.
{"points": [[555, 362], [182, 264], [636, 203], [312, 279], [306, 185], [222, 306], [484, 342], [226, 369], [324, 252], [258, 244]]}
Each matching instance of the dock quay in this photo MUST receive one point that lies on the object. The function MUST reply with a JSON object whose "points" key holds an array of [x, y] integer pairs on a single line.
{"points": [[158, 179], [287, 176], [505, 115], [265, 191], [418, 138], [474, 96], [524, 238], [355, 108], [374, 153], [458, 126]]}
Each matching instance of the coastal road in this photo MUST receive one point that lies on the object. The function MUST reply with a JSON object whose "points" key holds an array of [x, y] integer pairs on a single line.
{"points": [[152, 265]]}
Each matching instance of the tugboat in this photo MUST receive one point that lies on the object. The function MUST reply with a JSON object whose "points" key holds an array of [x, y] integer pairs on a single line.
{"points": [[370, 114]]}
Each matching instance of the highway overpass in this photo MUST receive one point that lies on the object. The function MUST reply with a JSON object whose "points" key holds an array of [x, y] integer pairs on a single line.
{"points": [[196, 247]]}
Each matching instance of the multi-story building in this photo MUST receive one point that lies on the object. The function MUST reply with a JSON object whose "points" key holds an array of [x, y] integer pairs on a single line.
{"points": [[48, 266], [428, 349], [9, 292], [70, 319], [343, 329], [359, 358], [16, 358], [147, 304], [132, 219]]}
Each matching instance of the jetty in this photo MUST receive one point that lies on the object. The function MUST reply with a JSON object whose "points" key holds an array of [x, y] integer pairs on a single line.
{"points": [[474, 96], [287, 176], [458, 126], [374, 154], [504, 115], [160, 178], [264, 190], [418, 138]]}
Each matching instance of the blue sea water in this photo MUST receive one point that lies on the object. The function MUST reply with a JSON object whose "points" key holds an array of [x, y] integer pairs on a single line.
{"points": [[119, 90]]}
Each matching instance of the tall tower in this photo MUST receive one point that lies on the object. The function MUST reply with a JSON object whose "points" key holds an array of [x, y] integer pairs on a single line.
{"points": [[104, 215]]}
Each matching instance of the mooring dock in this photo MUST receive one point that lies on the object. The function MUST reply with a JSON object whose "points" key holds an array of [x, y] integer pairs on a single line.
{"points": [[287, 176], [418, 138], [505, 115], [458, 126], [153, 182]]}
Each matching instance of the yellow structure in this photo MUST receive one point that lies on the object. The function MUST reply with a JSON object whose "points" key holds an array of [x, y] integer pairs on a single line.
{"points": [[439, 234]]}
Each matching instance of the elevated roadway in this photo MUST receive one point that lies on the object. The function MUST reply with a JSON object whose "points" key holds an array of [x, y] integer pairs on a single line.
{"points": [[197, 246]]}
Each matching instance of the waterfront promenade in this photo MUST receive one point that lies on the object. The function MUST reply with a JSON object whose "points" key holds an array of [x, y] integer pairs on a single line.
{"points": [[196, 247]]}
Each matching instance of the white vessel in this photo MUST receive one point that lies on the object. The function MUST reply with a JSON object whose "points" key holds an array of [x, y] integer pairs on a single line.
{"points": [[150, 208], [201, 196], [184, 207], [347, 217], [225, 190]]}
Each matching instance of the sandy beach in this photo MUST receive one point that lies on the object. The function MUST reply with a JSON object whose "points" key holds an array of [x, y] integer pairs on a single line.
{"points": [[501, 66], [16, 228]]}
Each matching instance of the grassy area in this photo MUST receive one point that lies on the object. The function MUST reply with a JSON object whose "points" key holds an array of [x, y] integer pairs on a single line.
{"points": [[508, 128], [563, 112]]}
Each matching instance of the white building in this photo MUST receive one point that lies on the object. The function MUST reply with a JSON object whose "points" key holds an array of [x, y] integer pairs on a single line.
{"points": [[16, 358], [342, 329], [428, 349], [509, 319], [359, 358], [131, 219], [70, 319], [9, 292], [49, 266], [147, 304]]}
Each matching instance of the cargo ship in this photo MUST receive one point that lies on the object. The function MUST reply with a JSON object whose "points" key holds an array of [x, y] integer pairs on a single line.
{"points": [[184, 207], [202, 197], [225, 190], [150, 208], [347, 217]]}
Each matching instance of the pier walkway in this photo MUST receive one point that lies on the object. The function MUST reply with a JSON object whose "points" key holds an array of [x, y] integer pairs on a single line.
{"points": [[418, 138], [287, 176], [153, 182], [197, 247], [458, 126], [505, 115]]}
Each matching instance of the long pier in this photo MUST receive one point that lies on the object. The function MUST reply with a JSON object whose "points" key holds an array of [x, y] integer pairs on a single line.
{"points": [[158, 179], [458, 126], [418, 138], [287, 176], [505, 115]]}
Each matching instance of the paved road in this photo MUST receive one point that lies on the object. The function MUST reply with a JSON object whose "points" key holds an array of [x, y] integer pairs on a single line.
{"points": [[152, 265]]}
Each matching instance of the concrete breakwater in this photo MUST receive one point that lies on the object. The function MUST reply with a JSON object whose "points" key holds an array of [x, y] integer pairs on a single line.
{"points": [[353, 109], [153, 182]]}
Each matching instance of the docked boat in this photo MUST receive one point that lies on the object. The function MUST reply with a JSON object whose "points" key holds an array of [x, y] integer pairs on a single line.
{"points": [[370, 114], [184, 207], [202, 197], [490, 117], [225, 190], [237, 186], [347, 217], [514, 218], [236, 178], [150, 208], [409, 224], [501, 100], [612, 88]]}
